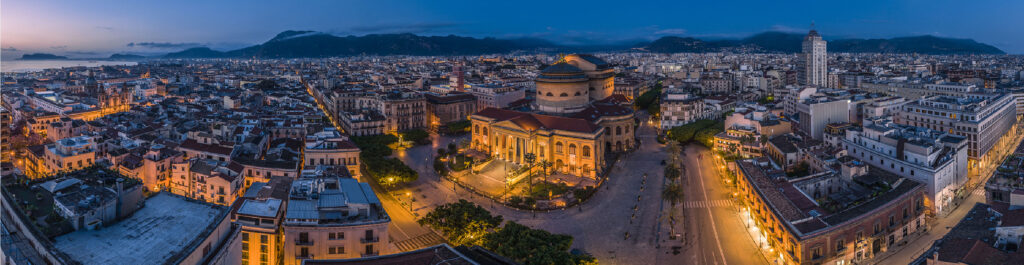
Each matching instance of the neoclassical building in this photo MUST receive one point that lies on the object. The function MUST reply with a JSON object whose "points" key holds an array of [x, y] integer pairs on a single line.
{"points": [[569, 85], [572, 145], [577, 119]]}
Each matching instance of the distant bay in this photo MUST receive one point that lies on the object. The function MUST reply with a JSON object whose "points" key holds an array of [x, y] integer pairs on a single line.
{"points": [[21, 66]]}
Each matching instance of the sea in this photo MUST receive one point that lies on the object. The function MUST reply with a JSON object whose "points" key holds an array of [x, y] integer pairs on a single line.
{"points": [[22, 66]]}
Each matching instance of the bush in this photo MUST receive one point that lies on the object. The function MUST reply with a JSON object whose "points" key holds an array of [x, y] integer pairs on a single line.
{"points": [[541, 190], [584, 193]]}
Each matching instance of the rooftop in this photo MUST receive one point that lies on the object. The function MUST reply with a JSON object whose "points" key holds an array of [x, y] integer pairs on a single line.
{"points": [[161, 232]]}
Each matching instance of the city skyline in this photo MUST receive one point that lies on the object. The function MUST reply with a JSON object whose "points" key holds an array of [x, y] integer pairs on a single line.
{"points": [[97, 29]]}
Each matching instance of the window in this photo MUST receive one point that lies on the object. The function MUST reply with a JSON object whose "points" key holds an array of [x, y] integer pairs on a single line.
{"points": [[572, 149], [840, 245], [264, 239], [563, 95], [558, 147], [586, 151], [816, 253], [245, 237]]}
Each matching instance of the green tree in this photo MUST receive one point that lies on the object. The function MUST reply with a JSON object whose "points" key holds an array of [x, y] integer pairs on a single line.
{"points": [[673, 193], [530, 158], [462, 222], [417, 136], [533, 246]]}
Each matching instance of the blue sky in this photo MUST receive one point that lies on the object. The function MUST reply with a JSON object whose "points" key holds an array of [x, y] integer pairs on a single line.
{"points": [[98, 28]]}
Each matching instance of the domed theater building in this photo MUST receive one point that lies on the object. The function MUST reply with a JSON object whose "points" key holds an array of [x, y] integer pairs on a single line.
{"points": [[575, 120]]}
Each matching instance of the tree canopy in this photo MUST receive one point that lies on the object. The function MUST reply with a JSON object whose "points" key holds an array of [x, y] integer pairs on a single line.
{"points": [[533, 246], [463, 221]]}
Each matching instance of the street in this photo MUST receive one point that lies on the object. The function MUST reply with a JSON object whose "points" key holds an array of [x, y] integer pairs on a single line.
{"points": [[712, 231]]}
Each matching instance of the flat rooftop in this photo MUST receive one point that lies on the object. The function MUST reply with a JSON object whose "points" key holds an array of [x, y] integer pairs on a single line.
{"points": [[161, 231]]}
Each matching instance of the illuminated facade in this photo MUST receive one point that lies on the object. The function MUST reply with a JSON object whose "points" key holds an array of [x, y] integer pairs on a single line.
{"points": [[827, 217], [572, 145]]}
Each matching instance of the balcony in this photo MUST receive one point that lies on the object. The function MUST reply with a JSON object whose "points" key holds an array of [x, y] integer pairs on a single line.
{"points": [[370, 254], [303, 256], [370, 240], [299, 242]]}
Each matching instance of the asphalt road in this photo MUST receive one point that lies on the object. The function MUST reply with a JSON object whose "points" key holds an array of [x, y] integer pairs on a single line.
{"points": [[712, 231]]}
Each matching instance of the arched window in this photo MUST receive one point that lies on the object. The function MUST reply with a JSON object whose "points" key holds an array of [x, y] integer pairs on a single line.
{"points": [[476, 129], [586, 151], [558, 147], [550, 95], [618, 130], [572, 149], [577, 93], [563, 95], [485, 130]]}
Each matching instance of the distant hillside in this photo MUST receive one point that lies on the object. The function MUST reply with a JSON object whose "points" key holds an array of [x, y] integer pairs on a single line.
{"points": [[295, 44], [300, 44], [118, 56], [790, 43], [199, 52], [42, 56]]}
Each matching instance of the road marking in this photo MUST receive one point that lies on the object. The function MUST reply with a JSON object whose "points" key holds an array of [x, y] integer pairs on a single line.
{"points": [[713, 227], [418, 242], [707, 204]]}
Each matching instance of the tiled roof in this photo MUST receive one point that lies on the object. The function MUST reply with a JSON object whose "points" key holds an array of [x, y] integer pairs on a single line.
{"points": [[532, 121], [192, 144]]}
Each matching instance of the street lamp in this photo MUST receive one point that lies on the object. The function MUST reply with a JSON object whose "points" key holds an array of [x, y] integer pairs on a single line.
{"points": [[410, 200]]}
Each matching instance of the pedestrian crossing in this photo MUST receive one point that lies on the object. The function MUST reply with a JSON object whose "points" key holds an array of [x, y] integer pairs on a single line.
{"points": [[418, 242], [707, 204]]}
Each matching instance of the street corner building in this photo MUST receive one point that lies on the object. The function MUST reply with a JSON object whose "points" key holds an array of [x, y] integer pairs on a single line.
{"points": [[833, 217]]}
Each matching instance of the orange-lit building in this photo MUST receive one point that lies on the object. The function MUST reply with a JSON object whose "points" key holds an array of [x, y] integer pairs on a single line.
{"points": [[833, 217]]}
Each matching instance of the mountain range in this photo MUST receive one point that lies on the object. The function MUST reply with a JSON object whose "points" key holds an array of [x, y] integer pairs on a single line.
{"points": [[791, 43], [303, 44]]}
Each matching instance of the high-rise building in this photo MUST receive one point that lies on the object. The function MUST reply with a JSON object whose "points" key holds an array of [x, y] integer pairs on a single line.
{"points": [[813, 61]]}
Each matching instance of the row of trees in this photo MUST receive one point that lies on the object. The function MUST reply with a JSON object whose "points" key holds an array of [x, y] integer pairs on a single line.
{"points": [[465, 223]]}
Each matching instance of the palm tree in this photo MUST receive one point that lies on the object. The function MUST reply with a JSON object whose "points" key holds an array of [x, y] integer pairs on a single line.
{"points": [[674, 149], [529, 158], [545, 164], [673, 193]]}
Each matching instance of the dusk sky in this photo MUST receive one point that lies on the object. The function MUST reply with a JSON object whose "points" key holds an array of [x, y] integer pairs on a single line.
{"points": [[98, 28]]}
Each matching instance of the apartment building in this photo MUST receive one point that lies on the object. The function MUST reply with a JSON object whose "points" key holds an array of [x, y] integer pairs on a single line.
{"points": [[935, 158], [331, 217], [330, 148], [69, 154], [982, 118], [207, 180], [680, 108]]}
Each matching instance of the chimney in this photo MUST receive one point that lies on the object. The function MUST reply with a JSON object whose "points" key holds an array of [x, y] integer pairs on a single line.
{"points": [[120, 186]]}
